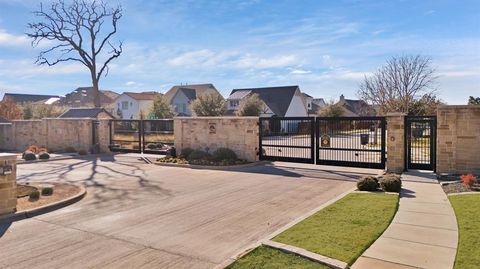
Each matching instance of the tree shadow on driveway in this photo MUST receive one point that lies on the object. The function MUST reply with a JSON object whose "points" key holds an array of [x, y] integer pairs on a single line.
{"points": [[106, 177]]}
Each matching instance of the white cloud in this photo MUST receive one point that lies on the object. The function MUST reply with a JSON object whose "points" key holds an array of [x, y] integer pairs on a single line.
{"points": [[250, 61], [7, 39], [130, 83], [300, 72]]}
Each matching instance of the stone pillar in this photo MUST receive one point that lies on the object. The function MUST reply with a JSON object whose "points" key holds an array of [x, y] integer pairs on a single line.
{"points": [[104, 135], [8, 183], [395, 142]]}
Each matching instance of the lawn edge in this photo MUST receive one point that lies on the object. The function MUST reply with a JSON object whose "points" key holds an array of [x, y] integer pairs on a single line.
{"points": [[249, 248], [330, 262]]}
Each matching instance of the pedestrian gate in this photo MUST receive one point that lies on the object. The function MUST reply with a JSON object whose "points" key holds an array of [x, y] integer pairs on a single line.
{"points": [[420, 146], [148, 136], [345, 141]]}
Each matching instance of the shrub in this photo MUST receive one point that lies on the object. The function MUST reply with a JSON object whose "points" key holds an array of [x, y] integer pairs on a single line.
{"points": [[468, 180], [33, 148], [47, 191], [42, 149], [70, 149], [391, 183], [367, 183], [82, 152], [151, 146], [29, 156], [197, 155], [186, 152], [43, 155], [34, 195], [224, 154]]}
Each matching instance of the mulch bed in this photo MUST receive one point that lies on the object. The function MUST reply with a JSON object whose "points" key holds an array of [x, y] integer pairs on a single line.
{"points": [[201, 162], [458, 188], [61, 191]]}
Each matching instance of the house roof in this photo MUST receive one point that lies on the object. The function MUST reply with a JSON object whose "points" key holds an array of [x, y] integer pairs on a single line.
{"points": [[239, 94], [142, 95], [278, 99], [191, 94], [84, 113], [28, 98], [356, 107], [198, 88]]}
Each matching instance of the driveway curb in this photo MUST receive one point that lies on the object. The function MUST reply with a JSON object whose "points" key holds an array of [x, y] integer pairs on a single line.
{"points": [[212, 167], [20, 215], [19, 162]]}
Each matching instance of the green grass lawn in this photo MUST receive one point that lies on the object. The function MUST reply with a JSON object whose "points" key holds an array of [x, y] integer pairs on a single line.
{"points": [[345, 229], [467, 211], [266, 257]]}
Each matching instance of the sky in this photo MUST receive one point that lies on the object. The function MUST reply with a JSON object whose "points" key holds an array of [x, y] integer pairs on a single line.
{"points": [[325, 47]]}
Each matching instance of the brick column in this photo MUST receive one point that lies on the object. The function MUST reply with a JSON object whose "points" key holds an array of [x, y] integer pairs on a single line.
{"points": [[395, 142], [104, 135], [8, 183]]}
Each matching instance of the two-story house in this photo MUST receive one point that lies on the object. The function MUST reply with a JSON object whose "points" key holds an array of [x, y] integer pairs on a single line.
{"points": [[134, 105], [181, 96], [283, 101]]}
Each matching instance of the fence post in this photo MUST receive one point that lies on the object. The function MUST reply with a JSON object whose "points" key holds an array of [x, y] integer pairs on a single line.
{"points": [[396, 142]]}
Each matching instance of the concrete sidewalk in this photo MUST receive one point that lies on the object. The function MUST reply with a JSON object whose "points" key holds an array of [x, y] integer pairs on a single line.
{"points": [[423, 233]]}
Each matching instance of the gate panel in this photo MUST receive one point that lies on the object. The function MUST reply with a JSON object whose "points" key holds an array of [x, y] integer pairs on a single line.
{"points": [[288, 139], [351, 141], [420, 140], [157, 135], [125, 136]]}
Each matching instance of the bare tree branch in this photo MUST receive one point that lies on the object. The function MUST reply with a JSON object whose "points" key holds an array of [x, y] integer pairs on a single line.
{"points": [[78, 33], [400, 83]]}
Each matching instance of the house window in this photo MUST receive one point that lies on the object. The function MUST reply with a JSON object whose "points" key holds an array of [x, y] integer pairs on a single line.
{"points": [[125, 105], [234, 103]]}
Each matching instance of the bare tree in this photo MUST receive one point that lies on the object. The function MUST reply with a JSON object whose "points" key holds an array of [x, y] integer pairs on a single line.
{"points": [[78, 34], [399, 83]]}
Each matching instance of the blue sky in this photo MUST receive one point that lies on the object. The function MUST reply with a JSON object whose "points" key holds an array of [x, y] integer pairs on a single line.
{"points": [[325, 47]]}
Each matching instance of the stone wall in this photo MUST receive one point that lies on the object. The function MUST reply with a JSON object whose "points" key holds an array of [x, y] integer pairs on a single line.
{"points": [[8, 184], [395, 142], [239, 134], [458, 139], [54, 134]]}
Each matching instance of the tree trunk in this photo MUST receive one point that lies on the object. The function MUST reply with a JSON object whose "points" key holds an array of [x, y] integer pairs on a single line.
{"points": [[96, 92]]}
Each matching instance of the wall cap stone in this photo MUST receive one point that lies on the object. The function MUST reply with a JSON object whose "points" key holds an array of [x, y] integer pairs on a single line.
{"points": [[217, 118], [395, 114]]}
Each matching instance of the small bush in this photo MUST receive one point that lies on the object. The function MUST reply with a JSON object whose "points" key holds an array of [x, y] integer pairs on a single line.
{"points": [[29, 156], [186, 152], [34, 195], [70, 149], [42, 149], [47, 191], [82, 152], [33, 148], [43, 155], [391, 183], [151, 146], [468, 180], [367, 183], [224, 154], [198, 155]]}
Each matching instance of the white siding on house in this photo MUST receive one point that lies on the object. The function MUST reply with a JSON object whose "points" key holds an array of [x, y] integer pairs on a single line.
{"points": [[297, 106], [181, 104], [131, 108]]}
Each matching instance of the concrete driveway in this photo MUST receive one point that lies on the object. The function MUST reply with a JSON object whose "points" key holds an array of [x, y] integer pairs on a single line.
{"points": [[137, 215]]}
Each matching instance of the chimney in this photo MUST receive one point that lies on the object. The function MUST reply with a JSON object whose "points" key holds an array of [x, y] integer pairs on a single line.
{"points": [[342, 98]]}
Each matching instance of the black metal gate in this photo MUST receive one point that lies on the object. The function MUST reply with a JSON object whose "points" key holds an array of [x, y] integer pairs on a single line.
{"points": [[148, 136], [288, 139], [125, 136], [420, 138], [345, 141], [351, 141]]}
